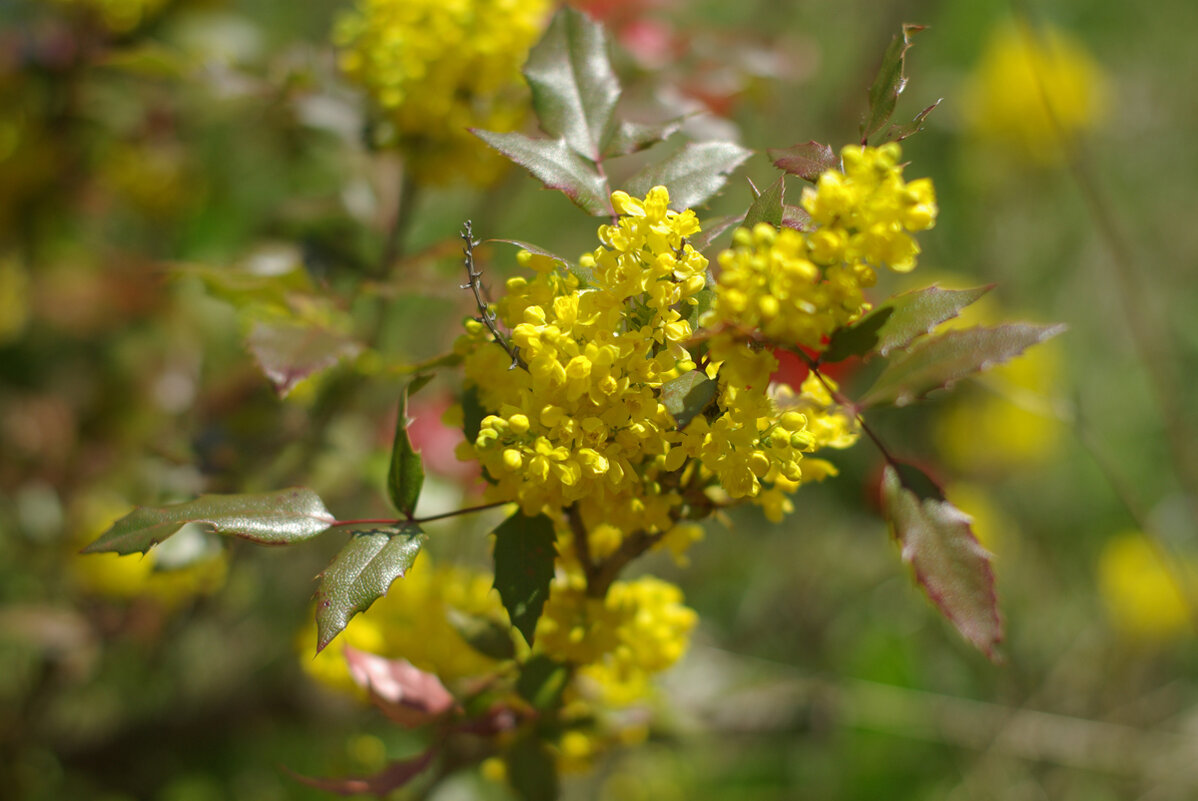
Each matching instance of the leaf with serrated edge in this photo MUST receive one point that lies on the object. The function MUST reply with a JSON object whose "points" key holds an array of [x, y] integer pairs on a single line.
{"points": [[686, 396], [557, 166], [949, 563], [633, 137], [361, 573], [767, 207], [897, 133], [806, 160], [574, 89], [693, 174], [899, 321], [796, 217], [271, 518], [405, 478], [389, 779], [289, 352], [524, 555], [889, 83], [944, 359], [712, 230]]}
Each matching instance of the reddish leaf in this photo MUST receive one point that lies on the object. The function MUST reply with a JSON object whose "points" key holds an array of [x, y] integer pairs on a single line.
{"points": [[289, 352], [405, 693], [952, 567], [806, 160], [391, 778]]}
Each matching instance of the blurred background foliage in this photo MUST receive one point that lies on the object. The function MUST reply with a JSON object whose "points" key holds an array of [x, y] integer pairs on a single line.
{"points": [[162, 164]]}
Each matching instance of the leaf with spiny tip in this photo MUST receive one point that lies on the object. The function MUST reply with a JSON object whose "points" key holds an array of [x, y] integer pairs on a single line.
{"points": [[525, 551], [889, 83]]}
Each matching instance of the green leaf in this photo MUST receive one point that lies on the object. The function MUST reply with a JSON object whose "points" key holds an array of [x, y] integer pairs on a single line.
{"points": [[361, 573], [542, 682], [574, 89], [524, 554], [555, 165], [583, 275], [288, 352], [897, 133], [693, 174], [941, 360], [899, 321], [767, 207], [633, 137], [796, 217], [406, 476], [952, 567], [489, 637], [686, 396], [271, 518], [532, 769], [268, 287], [472, 413], [712, 229], [808, 160], [889, 83]]}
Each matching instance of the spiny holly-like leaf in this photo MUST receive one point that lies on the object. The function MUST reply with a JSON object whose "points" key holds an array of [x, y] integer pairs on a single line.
{"points": [[796, 217], [288, 352], [532, 769], [271, 518], [693, 174], [949, 563], [555, 165], [767, 207], [941, 360], [583, 275], [391, 778], [712, 229], [405, 693], [574, 89], [361, 573], [406, 476], [633, 137], [472, 413], [889, 83], [686, 396], [897, 133], [524, 554], [806, 160], [899, 321], [542, 682]]}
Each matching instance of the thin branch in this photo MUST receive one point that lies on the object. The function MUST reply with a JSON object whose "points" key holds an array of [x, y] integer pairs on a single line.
{"points": [[582, 544], [473, 283], [609, 569], [396, 521]]}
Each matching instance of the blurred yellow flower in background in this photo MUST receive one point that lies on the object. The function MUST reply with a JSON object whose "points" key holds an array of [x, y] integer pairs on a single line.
{"points": [[1142, 595], [1034, 91]]}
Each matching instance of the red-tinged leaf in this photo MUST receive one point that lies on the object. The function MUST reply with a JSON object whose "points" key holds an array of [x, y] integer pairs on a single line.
{"points": [[767, 206], [271, 518], [524, 557], [633, 137], [693, 174], [391, 778], [952, 567], [712, 230], [405, 693], [806, 160], [361, 573], [289, 352], [899, 321], [555, 165], [889, 83], [405, 478], [942, 360], [897, 133], [574, 89], [796, 217]]}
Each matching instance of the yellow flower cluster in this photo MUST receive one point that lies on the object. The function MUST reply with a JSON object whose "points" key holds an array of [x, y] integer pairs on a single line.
{"points": [[585, 423], [639, 628], [1146, 598], [797, 288], [1035, 92], [118, 16], [439, 67]]}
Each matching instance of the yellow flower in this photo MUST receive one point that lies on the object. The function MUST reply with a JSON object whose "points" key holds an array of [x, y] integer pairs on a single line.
{"points": [[436, 68], [1142, 595], [1035, 92]]}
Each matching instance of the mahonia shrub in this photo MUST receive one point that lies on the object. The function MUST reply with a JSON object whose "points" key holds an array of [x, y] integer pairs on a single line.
{"points": [[613, 402]]}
